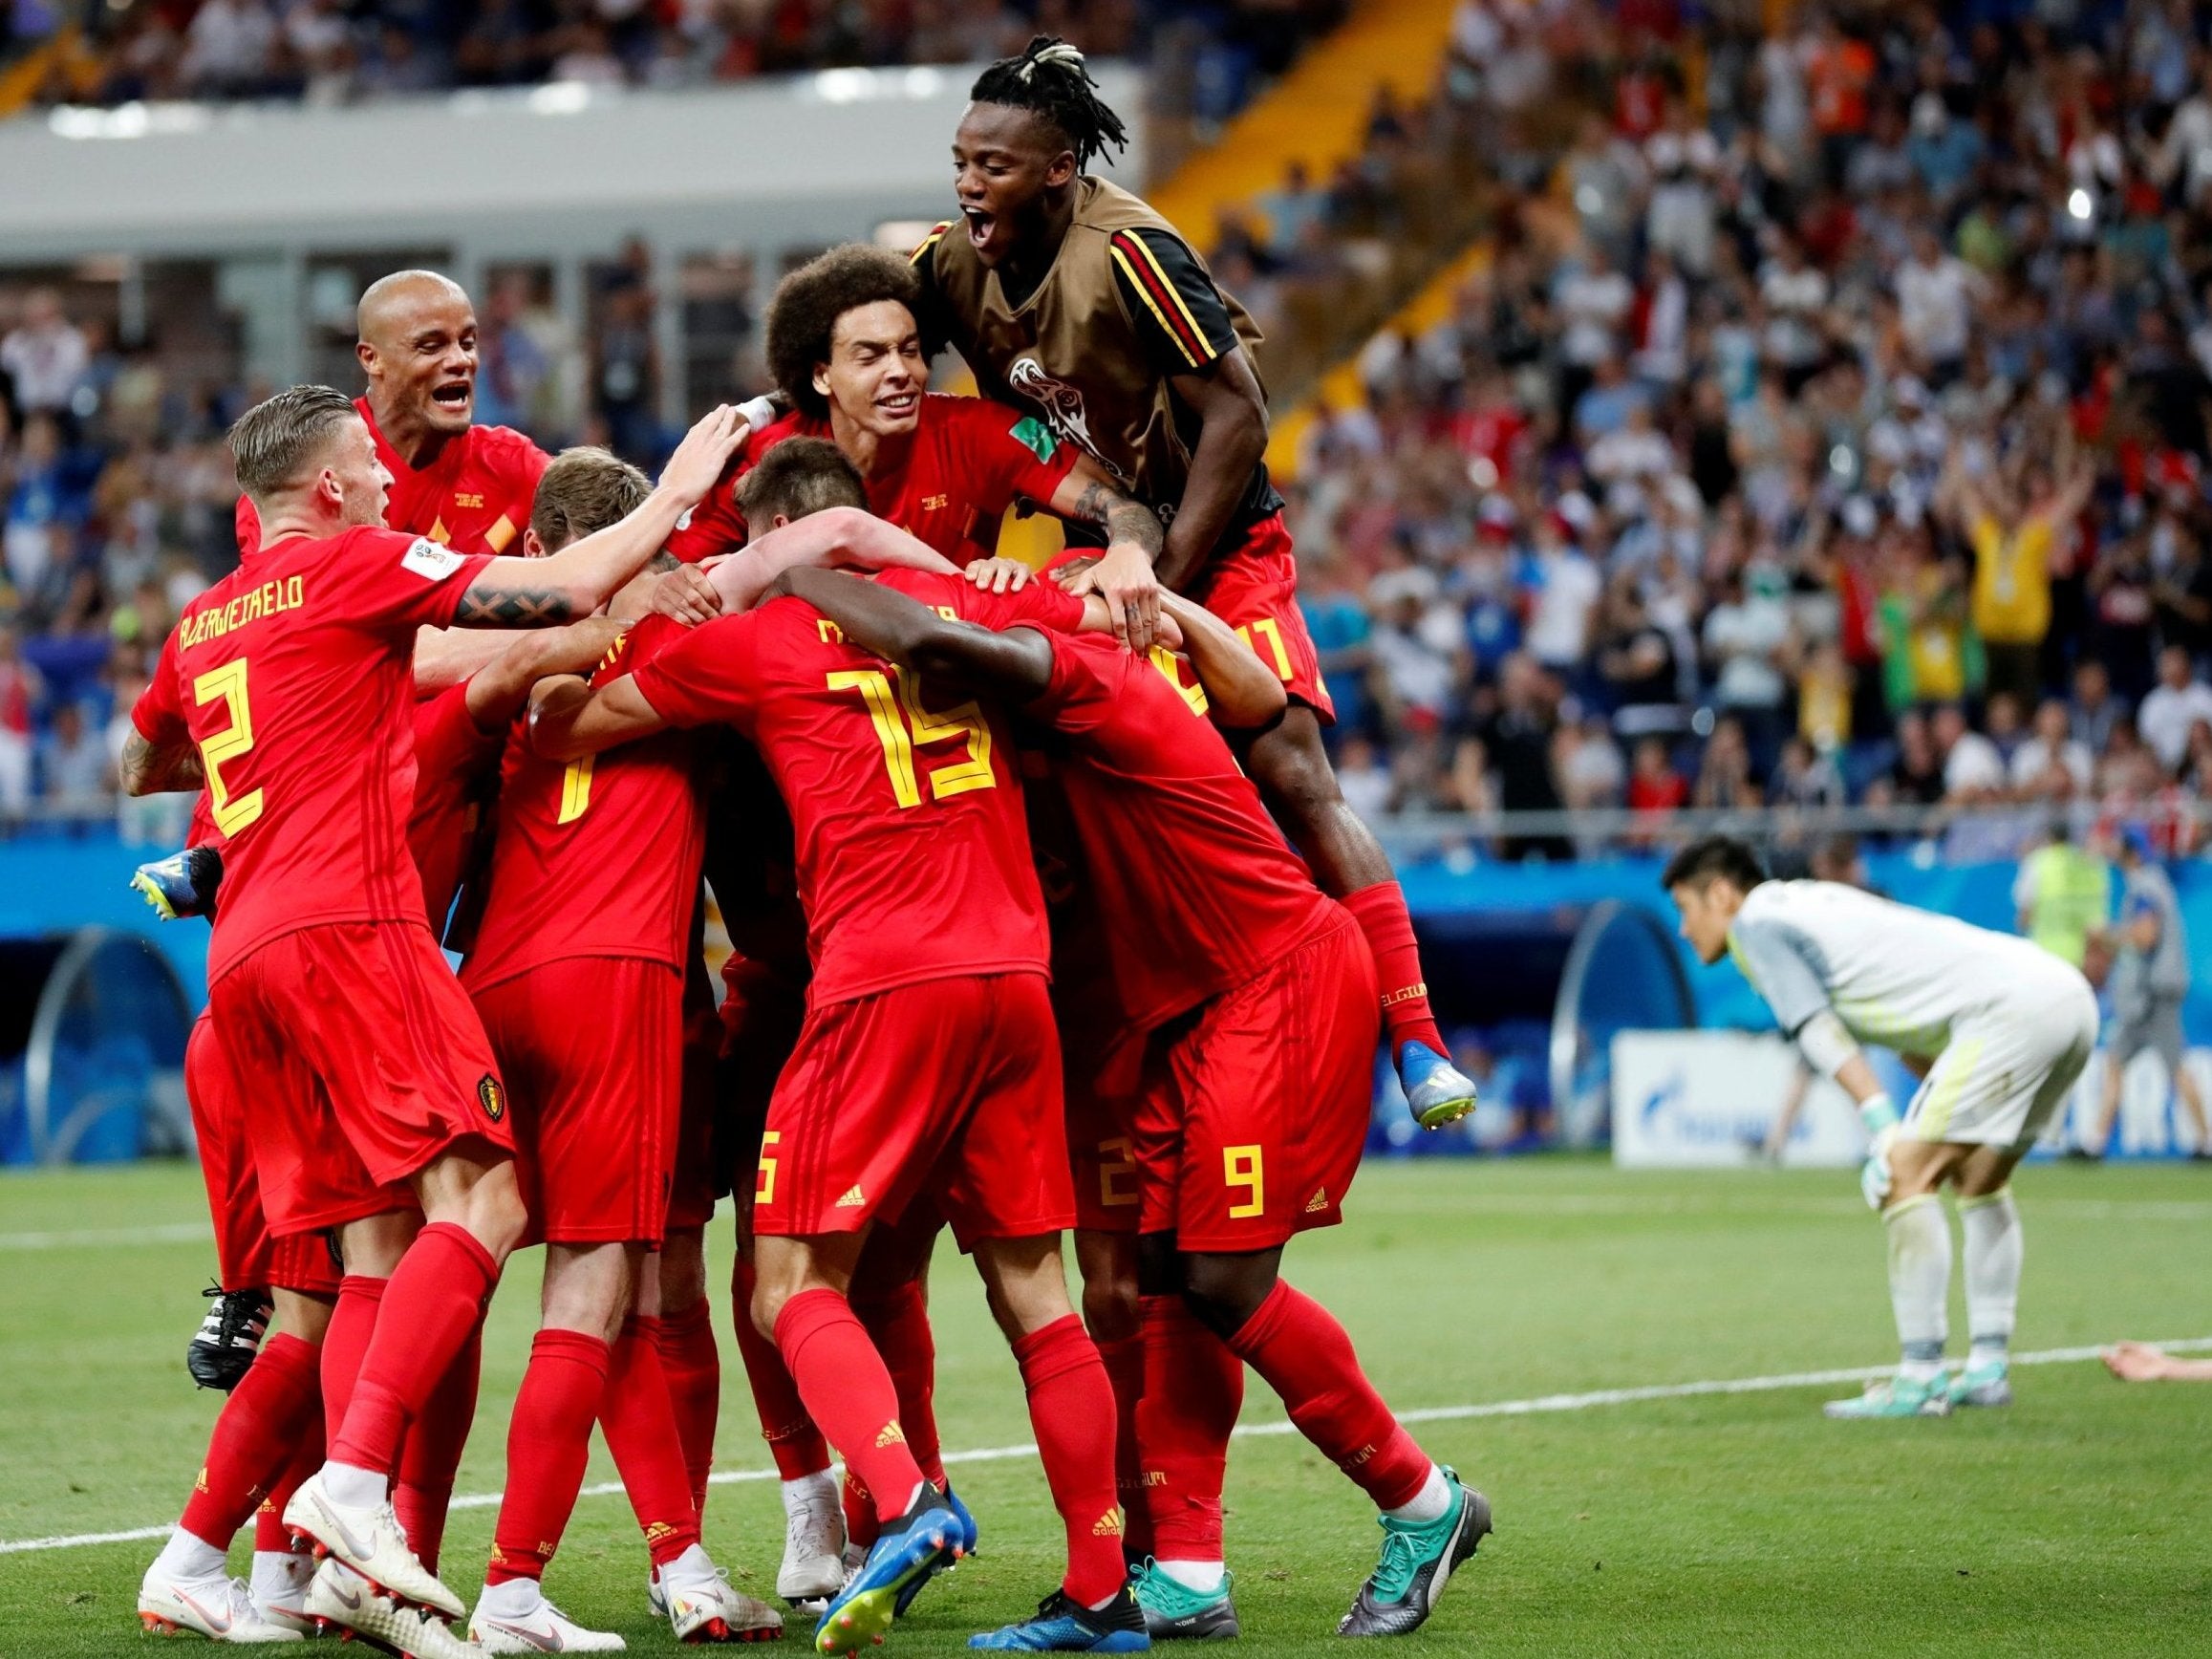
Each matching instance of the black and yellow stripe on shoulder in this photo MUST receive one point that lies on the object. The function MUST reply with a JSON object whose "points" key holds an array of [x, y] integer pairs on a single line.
{"points": [[1161, 297], [930, 241]]}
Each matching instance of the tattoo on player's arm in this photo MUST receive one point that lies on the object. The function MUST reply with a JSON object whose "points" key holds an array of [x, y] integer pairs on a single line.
{"points": [[148, 769], [1092, 505], [488, 605], [1133, 521]]}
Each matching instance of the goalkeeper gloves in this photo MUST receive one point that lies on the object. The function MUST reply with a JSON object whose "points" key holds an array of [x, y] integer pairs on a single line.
{"points": [[1882, 1127]]}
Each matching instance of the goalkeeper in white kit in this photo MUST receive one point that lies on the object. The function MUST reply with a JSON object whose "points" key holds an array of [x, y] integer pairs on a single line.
{"points": [[1999, 1030]]}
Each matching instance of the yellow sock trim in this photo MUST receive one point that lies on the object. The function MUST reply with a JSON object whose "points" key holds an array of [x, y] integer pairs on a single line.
{"points": [[1899, 1209], [1987, 1198]]}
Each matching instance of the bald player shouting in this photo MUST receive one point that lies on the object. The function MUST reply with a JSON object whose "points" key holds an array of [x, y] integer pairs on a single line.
{"points": [[465, 487]]}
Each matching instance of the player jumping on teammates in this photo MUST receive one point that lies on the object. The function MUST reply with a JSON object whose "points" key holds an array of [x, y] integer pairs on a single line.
{"points": [[2004, 1029], [1068, 293]]}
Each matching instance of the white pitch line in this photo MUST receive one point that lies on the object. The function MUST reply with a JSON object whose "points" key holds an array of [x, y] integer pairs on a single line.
{"points": [[1539, 1405], [167, 1233]]}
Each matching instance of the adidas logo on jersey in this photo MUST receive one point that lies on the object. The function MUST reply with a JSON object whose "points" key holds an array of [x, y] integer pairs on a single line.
{"points": [[1318, 1202], [852, 1201]]}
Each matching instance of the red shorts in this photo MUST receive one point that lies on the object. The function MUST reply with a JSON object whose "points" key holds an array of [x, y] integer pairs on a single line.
{"points": [[245, 1256], [592, 1052], [1103, 1087], [1262, 1133], [366, 1062], [762, 1015], [950, 1086], [1253, 589]]}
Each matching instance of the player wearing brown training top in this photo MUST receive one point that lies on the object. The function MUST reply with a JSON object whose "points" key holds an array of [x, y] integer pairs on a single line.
{"points": [[1070, 296]]}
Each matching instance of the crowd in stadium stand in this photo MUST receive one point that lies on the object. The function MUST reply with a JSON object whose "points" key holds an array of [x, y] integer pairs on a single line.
{"points": [[330, 51], [1829, 424]]}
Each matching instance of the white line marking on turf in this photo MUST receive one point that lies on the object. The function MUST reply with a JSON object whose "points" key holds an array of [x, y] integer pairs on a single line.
{"points": [[1541, 1403], [167, 1233]]}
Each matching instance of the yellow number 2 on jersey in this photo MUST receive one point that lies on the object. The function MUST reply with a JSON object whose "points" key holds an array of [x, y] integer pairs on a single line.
{"points": [[227, 682], [891, 713]]}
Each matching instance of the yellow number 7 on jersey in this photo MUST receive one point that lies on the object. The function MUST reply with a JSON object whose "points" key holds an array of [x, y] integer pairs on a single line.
{"points": [[227, 682]]}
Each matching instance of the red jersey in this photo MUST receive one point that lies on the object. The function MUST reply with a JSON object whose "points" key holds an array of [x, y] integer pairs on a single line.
{"points": [[293, 675], [476, 496], [598, 856], [1195, 884], [452, 764], [453, 775], [913, 855], [968, 460]]}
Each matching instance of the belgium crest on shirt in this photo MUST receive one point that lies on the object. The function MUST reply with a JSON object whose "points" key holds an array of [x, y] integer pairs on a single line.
{"points": [[490, 1096]]}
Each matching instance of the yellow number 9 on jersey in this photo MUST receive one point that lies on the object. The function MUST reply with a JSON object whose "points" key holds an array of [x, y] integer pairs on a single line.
{"points": [[228, 683]]}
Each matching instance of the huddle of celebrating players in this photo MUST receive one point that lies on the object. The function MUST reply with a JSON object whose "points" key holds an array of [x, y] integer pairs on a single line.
{"points": [[1019, 946]]}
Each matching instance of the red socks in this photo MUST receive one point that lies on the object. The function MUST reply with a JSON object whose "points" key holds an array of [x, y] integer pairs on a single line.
{"points": [[1069, 1401], [270, 1535], [1194, 1391], [431, 1303], [345, 1344], [639, 1421], [1381, 913], [1124, 1359], [693, 1369], [793, 1440], [898, 1324], [266, 1417], [846, 1389], [1299, 1347], [431, 1453], [549, 1442]]}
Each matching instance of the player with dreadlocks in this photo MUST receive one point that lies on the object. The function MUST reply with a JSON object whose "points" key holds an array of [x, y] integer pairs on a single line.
{"points": [[1068, 293], [1073, 295]]}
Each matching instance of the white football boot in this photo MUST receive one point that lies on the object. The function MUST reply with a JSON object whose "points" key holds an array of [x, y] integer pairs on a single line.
{"points": [[704, 1605], [368, 1537], [339, 1596], [813, 1568], [511, 1618], [219, 1608]]}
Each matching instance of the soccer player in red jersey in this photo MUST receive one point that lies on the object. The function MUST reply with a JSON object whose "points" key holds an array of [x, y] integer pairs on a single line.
{"points": [[268, 1436], [928, 1060], [460, 485], [1259, 995], [285, 689], [1073, 296], [463, 485], [845, 348], [614, 843]]}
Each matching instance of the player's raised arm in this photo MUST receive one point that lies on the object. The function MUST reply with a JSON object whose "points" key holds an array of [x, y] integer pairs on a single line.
{"points": [[1244, 693], [569, 719], [513, 593], [1127, 577], [848, 536], [498, 691], [1016, 665]]}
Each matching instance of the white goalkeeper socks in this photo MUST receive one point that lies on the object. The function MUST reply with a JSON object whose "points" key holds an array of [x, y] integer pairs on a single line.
{"points": [[1919, 1283], [1991, 1229]]}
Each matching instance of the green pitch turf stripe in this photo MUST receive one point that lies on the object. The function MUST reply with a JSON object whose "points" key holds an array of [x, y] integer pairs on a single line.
{"points": [[1541, 1404], [167, 1233]]}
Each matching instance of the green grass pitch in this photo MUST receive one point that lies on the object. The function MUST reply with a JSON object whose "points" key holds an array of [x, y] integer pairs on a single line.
{"points": [[2077, 1522]]}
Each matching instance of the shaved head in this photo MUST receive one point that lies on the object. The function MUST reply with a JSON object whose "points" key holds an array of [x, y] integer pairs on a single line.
{"points": [[418, 348], [389, 302]]}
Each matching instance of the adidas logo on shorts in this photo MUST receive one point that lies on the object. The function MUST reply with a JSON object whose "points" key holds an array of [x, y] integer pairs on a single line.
{"points": [[1318, 1202], [852, 1201]]}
